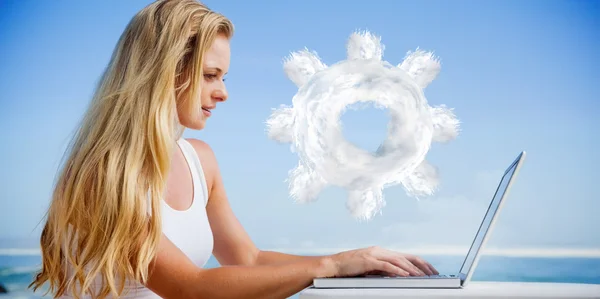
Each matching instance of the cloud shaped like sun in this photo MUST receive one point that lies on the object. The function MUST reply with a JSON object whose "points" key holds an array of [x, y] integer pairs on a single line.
{"points": [[312, 124]]}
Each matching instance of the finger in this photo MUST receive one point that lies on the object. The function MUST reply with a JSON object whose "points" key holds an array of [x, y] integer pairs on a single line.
{"points": [[435, 271], [398, 260], [405, 264], [416, 268], [428, 265], [422, 267], [413, 265], [421, 264], [387, 267]]}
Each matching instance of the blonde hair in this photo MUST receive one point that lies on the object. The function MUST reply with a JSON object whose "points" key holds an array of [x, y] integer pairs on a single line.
{"points": [[104, 216]]}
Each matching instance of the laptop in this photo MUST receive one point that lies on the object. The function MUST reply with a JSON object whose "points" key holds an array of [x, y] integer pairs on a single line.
{"points": [[457, 280]]}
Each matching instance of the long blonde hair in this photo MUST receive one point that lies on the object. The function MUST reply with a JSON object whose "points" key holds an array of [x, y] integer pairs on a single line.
{"points": [[104, 216]]}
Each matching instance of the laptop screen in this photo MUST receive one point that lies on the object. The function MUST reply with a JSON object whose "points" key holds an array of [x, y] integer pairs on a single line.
{"points": [[489, 215]]}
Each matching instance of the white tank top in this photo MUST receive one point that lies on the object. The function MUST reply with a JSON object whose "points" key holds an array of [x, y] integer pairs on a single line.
{"points": [[189, 230]]}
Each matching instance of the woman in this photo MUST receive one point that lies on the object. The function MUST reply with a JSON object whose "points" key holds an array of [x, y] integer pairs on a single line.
{"points": [[138, 210]]}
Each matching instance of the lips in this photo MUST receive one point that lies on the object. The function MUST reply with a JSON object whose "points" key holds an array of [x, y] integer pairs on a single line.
{"points": [[207, 111]]}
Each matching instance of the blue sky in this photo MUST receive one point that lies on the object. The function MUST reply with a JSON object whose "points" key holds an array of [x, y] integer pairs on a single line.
{"points": [[521, 75]]}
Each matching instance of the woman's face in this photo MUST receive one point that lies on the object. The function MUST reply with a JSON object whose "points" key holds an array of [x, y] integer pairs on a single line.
{"points": [[215, 67]]}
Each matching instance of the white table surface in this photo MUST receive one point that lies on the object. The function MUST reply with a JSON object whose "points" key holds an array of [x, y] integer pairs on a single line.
{"points": [[487, 290]]}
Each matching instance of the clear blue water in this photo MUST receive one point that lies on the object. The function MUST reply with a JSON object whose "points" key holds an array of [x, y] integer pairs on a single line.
{"points": [[16, 272]]}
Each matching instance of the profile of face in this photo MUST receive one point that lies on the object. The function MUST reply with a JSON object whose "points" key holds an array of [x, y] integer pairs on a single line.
{"points": [[213, 90]]}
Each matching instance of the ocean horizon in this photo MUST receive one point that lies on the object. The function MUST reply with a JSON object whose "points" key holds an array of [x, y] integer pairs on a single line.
{"points": [[18, 266]]}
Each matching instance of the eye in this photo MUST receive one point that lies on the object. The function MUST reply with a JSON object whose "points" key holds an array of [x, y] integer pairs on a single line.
{"points": [[210, 76]]}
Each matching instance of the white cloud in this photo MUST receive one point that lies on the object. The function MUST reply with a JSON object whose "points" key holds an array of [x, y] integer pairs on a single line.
{"points": [[312, 125]]}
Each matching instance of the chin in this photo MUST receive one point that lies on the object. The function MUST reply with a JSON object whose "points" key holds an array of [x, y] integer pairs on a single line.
{"points": [[198, 125], [195, 125]]}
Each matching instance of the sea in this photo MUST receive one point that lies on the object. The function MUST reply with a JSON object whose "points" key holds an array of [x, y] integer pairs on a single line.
{"points": [[16, 271]]}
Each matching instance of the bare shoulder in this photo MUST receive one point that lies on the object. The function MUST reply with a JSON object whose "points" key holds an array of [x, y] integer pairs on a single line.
{"points": [[202, 148], [207, 159]]}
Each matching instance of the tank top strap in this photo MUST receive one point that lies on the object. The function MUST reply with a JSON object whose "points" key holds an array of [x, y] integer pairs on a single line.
{"points": [[198, 176]]}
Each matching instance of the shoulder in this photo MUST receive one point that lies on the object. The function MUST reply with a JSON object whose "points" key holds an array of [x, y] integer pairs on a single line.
{"points": [[202, 148], [207, 158]]}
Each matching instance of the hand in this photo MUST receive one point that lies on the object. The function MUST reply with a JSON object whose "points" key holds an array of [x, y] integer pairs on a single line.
{"points": [[378, 260]]}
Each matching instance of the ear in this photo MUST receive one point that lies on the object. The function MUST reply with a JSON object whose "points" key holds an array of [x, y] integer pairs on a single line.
{"points": [[422, 66], [302, 65]]}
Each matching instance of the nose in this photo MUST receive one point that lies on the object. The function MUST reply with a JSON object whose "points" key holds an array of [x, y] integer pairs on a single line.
{"points": [[220, 94]]}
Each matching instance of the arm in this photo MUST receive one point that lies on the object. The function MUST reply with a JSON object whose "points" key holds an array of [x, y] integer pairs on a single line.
{"points": [[173, 275], [247, 271], [232, 246], [273, 257]]}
